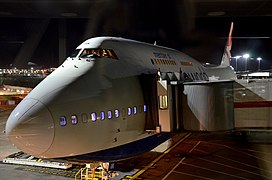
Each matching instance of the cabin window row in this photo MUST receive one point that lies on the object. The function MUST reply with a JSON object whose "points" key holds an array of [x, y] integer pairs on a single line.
{"points": [[102, 115], [163, 62]]}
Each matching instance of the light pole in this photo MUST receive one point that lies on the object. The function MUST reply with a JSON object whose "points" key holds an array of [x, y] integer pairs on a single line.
{"points": [[246, 56], [259, 63], [236, 58]]}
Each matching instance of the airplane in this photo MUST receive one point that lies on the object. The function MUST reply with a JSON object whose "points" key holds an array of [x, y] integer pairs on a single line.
{"points": [[93, 105]]}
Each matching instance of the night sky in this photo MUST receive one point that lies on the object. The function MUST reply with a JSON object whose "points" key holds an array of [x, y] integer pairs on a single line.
{"points": [[203, 38]]}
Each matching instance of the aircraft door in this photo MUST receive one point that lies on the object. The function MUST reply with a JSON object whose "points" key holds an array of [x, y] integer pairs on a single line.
{"points": [[170, 105], [149, 86], [164, 103]]}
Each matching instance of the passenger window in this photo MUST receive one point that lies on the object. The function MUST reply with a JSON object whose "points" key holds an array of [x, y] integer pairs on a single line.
{"points": [[124, 112], [129, 111], [116, 113], [84, 117], [109, 114], [74, 119], [134, 110], [145, 109], [102, 115], [93, 116], [140, 109], [62, 121]]}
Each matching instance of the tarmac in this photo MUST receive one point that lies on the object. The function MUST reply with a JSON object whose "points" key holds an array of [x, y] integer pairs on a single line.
{"points": [[187, 155]]}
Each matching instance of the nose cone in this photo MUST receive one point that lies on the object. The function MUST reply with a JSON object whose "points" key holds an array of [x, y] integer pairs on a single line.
{"points": [[30, 127]]}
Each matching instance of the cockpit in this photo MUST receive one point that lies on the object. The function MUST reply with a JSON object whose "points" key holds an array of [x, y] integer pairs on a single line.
{"points": [[94, 53]]}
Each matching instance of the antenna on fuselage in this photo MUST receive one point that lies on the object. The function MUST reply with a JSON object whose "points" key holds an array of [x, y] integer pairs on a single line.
{"points": [[155, 43]]}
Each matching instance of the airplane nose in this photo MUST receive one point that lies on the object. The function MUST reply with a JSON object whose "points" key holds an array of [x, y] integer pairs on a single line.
{"points": [[30, 127]]}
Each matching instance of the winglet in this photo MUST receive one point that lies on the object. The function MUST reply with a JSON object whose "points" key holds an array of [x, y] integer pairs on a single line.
{"points": [[227, 55]]}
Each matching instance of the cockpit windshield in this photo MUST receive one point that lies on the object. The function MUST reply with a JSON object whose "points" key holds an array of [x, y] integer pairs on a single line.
{"points": [[98, 53], [74, 53], [86, 53]]}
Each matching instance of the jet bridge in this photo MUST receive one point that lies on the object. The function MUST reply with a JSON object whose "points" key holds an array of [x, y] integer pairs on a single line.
{"points": [[197, 106], [208, 106], [164, 101], [149, 83], [169, 101]]}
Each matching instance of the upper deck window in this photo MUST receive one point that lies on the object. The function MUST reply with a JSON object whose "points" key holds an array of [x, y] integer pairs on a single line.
{"points": [[98, 53]]}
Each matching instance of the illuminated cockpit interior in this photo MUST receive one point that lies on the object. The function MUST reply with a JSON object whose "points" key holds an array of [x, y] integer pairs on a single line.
{"points": [[94, 53], [98, 53]]}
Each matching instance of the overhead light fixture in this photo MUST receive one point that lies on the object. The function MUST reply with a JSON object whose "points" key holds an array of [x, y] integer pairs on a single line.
{"points": [[246, 56]]}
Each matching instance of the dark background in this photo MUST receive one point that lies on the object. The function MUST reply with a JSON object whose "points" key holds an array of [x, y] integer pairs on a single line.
{"points": [[196, 27]]}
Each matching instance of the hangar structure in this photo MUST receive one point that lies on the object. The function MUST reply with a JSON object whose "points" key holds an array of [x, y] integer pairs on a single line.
{"points": [[46, 31], [52, 28]]}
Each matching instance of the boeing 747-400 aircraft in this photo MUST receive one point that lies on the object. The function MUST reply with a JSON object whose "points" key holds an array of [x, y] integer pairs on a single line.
{"points": [[93, 105]]}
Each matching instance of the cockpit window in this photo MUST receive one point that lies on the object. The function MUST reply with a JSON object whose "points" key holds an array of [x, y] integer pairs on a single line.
{"points": [[98, 53], [86, 53], [74, 53]]}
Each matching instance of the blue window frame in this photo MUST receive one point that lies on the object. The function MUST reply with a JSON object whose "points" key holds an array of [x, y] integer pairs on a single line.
{"points": [[102, 115], [74, 119], [109, 114], [134, 110], [62, 121], [145, 109], [116, 113], [93, 116], [129, 111]]}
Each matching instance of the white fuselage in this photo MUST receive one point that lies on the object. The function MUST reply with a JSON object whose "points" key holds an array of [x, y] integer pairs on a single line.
{"points": [[63, 115]]}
